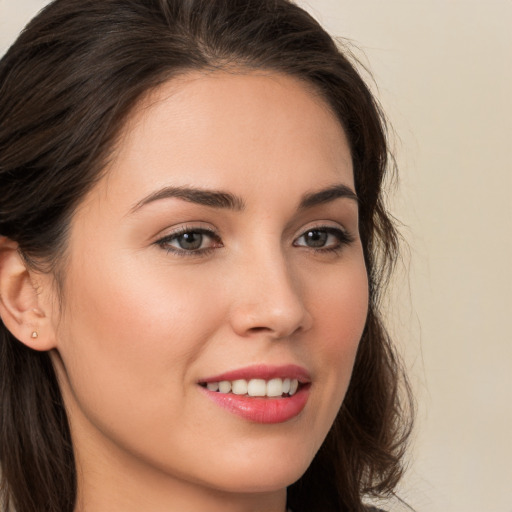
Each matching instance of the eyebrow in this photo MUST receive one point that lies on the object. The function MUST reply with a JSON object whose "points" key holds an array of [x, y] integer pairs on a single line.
{"points": [[212, 198], [327, 195], [227, 200]]}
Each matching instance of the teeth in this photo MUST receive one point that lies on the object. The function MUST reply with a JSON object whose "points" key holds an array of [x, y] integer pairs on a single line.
{"points": [[225, 386], [275, 387], [239, 387], [256, 387]]}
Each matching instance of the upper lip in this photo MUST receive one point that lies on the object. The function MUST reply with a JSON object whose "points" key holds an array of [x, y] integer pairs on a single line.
{"points": [[262, 371]]}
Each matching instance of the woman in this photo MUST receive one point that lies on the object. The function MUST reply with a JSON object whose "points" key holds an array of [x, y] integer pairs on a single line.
{"points": [[193, 243]]}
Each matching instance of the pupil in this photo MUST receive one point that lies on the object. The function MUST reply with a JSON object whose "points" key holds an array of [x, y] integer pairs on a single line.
{"points": [[316, 238], [190, 240]]}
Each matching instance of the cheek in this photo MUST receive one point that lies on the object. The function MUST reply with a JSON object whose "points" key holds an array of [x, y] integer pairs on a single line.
{"points": [[128, 342], [130, 335], [340, 306], [129, 308], [340, 309]]}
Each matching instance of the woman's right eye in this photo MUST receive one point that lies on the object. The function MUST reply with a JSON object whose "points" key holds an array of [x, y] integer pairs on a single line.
{"points": [[190, 241]]}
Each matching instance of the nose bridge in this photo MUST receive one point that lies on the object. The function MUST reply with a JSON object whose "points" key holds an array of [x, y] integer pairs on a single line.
{"points": [[270, 297]]}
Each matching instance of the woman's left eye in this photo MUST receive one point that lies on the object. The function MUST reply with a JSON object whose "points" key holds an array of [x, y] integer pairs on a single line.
{"points": [[324, 238], [190, 241]]}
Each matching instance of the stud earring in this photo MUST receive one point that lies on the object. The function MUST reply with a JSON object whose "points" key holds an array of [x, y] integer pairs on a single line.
{"points": [[34, 334]]}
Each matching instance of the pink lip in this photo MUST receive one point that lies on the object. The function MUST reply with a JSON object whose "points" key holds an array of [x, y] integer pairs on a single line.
{"points": [[262, 371], [259, 409]]}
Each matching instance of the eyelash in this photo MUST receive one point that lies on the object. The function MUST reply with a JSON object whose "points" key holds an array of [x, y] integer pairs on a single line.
{"points": [[343, 239], [166, 240]]}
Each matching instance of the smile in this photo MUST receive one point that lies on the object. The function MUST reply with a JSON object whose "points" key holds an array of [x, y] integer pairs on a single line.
{"points": [[256, 387], [261, 394]]}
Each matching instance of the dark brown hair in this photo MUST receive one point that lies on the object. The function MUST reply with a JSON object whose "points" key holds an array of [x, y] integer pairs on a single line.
{"points": [[66, 86]]}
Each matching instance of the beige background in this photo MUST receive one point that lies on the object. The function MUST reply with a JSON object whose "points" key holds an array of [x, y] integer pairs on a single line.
{"points": [[444, 71]]}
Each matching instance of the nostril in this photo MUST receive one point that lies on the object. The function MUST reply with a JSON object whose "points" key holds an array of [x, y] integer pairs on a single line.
{"points": [[259, 329]]}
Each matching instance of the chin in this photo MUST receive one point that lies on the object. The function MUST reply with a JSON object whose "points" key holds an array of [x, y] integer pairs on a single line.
{"points": [[258, 481], [262, 471]]}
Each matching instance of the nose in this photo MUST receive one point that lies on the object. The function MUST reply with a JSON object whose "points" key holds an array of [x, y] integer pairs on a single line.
{"points": [[269, 299]]}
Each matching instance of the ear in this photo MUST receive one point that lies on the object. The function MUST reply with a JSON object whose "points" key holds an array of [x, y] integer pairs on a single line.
{"points": [[20, 304]]}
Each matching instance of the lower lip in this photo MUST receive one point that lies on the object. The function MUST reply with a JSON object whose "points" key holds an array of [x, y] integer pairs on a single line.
{"points": [[261, 410]]}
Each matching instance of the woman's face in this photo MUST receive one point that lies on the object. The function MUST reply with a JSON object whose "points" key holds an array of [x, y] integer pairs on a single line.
{"points": [[222, 245]]}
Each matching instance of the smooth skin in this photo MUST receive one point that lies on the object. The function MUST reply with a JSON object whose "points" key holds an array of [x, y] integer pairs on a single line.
{"points": [[162, 291]]}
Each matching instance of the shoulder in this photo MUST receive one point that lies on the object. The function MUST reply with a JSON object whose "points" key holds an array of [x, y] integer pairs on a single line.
{"points": [[374, 509]]}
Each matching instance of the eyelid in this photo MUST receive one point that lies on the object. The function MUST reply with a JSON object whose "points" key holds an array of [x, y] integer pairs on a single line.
{"points": [[179, 229], [164, 241], [324, 225], [345, 237]]}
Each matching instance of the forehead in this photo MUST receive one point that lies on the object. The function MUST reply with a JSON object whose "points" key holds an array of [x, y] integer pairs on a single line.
{"points": [[222, 128]]}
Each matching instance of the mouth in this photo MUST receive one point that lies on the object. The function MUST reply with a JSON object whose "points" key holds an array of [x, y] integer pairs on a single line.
{"points": [[273, 388], [261, 394]]}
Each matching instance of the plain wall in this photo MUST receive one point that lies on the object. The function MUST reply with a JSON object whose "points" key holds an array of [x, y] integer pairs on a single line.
{"points": [[444, 75]]}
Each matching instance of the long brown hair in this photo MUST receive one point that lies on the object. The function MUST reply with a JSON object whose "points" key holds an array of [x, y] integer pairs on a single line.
{"points": [[66, 86]]}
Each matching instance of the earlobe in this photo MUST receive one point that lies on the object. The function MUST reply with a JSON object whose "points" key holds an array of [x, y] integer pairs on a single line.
{"points": [[20, 310]]}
